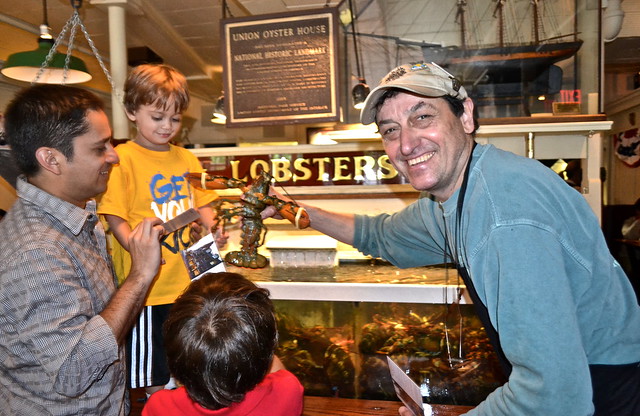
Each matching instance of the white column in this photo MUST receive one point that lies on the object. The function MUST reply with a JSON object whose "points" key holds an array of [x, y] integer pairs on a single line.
{"points": [[118, 58]]}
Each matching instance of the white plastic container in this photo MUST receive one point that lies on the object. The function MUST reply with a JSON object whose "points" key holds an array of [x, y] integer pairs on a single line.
{"points": [[303, 251]]}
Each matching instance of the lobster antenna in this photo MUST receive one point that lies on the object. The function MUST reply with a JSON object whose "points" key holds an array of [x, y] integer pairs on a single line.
{"points": [[286, 193]]}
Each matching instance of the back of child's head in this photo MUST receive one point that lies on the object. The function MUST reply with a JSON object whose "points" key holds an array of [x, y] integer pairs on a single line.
{"points": [[220, 338], [156, 84]]}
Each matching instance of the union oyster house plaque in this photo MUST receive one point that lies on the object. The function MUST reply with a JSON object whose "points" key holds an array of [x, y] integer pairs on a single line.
{"points": [[281, 68]]}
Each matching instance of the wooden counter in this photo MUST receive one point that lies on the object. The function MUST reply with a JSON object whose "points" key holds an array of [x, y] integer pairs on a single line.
{"points": [[325, 406]]}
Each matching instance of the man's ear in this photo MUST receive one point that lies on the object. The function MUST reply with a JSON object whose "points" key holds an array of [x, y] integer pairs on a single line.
{"points": [[467, 117], [49, 159]]}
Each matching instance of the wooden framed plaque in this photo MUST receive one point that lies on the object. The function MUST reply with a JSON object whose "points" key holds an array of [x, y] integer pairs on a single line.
{"points": [[281, 68]]}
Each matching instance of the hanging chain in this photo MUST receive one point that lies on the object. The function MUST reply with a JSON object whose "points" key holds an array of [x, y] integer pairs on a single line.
{"points": [[73, 23], [52, 51], [116, 91], [445, 292], [67, 58]]}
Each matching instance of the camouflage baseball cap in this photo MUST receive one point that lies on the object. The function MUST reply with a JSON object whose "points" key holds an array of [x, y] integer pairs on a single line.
{"points": [[429, 80]]}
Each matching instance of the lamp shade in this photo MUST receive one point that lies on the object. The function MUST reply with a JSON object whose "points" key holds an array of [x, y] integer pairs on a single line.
{"points": [[24, 66]]}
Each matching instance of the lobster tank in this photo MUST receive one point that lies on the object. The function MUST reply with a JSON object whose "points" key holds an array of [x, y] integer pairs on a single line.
{"points": [[338, 324]]}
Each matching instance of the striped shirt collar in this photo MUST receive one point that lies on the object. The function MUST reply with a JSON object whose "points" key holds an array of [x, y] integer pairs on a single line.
{"points": [[69, 215]]}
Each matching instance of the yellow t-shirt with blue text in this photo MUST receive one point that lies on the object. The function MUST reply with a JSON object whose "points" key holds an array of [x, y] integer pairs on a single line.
{"points": [[148, 183]]}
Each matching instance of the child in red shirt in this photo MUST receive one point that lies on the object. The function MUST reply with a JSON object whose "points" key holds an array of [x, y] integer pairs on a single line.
{"points": [[220, 338]]}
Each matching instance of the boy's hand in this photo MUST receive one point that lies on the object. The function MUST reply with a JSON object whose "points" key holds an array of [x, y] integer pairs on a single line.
{"points": [[195, 233], [220, 235]]}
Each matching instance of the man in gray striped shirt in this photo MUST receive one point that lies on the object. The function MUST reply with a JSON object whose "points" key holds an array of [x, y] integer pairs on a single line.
{"points": [[62, 319]]}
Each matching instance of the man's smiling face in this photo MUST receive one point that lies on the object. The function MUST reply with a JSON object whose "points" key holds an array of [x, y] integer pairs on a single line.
{"points": [[426, 142]]}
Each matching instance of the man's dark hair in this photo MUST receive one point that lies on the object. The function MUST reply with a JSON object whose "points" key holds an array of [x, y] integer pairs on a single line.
{"points": [[47, 116], [455, 104], [220, 338]]}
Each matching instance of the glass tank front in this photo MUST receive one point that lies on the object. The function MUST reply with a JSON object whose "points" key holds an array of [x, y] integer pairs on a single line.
{"points": [[337, 326], [340, 348]]}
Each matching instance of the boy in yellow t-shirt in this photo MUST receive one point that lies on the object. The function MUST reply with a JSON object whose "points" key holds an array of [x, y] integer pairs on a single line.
{"points": [[150, 181]]}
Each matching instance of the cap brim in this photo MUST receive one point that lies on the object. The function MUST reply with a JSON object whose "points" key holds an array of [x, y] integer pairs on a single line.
{"points": [[368, 112]]}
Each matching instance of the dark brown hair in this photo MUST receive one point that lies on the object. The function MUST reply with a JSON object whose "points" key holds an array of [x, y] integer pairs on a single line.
{"points": [[220, 338], [47, 115]]}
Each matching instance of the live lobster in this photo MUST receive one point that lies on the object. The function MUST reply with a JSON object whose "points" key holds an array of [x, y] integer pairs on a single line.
{"points": [[255, 198]]}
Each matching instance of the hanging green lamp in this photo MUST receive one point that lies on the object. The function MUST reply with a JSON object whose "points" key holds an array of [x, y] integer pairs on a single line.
{"points": [[30, 66]]}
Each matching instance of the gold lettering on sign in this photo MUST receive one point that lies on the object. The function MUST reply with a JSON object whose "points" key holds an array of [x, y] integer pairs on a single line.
{"points": [[309, 30], [235, 171], [258, 166], [245, 36], [303, 172], [280, 170], [339, 166], [386, 166], [361, 168], [321, 162]]}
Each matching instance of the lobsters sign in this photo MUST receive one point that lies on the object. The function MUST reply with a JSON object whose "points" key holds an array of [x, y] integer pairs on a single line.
{"points": [[309, 169]]}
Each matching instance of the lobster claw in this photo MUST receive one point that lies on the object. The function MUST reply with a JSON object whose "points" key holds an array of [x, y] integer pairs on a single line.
{"points": [[295, 214], [204, 181]]}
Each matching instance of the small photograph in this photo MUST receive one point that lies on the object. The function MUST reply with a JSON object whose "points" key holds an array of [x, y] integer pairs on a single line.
{"points": [[203, 257]]}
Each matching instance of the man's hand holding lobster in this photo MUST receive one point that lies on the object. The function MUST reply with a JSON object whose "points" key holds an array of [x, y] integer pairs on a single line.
{"points": [[281, 208]]}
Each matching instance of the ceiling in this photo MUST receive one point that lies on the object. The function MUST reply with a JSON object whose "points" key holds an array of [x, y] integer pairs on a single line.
{"points": [[186, 33]]}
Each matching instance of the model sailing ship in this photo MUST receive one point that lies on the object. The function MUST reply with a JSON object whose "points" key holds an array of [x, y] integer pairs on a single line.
{"points": [[504, 61]]}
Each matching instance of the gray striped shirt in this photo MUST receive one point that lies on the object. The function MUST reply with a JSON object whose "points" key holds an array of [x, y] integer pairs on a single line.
{"points": [[57, 355]]}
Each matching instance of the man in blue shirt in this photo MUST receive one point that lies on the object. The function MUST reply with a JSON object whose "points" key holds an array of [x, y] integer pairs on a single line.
{"points": [[558, 308]]}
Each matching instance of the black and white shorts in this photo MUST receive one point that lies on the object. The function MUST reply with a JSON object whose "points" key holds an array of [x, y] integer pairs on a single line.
{"points": [[146, 356]]}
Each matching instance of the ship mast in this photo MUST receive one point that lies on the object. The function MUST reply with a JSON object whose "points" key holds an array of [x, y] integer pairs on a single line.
{"points": [[499, 12], [536, 28], [463, 29]]}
